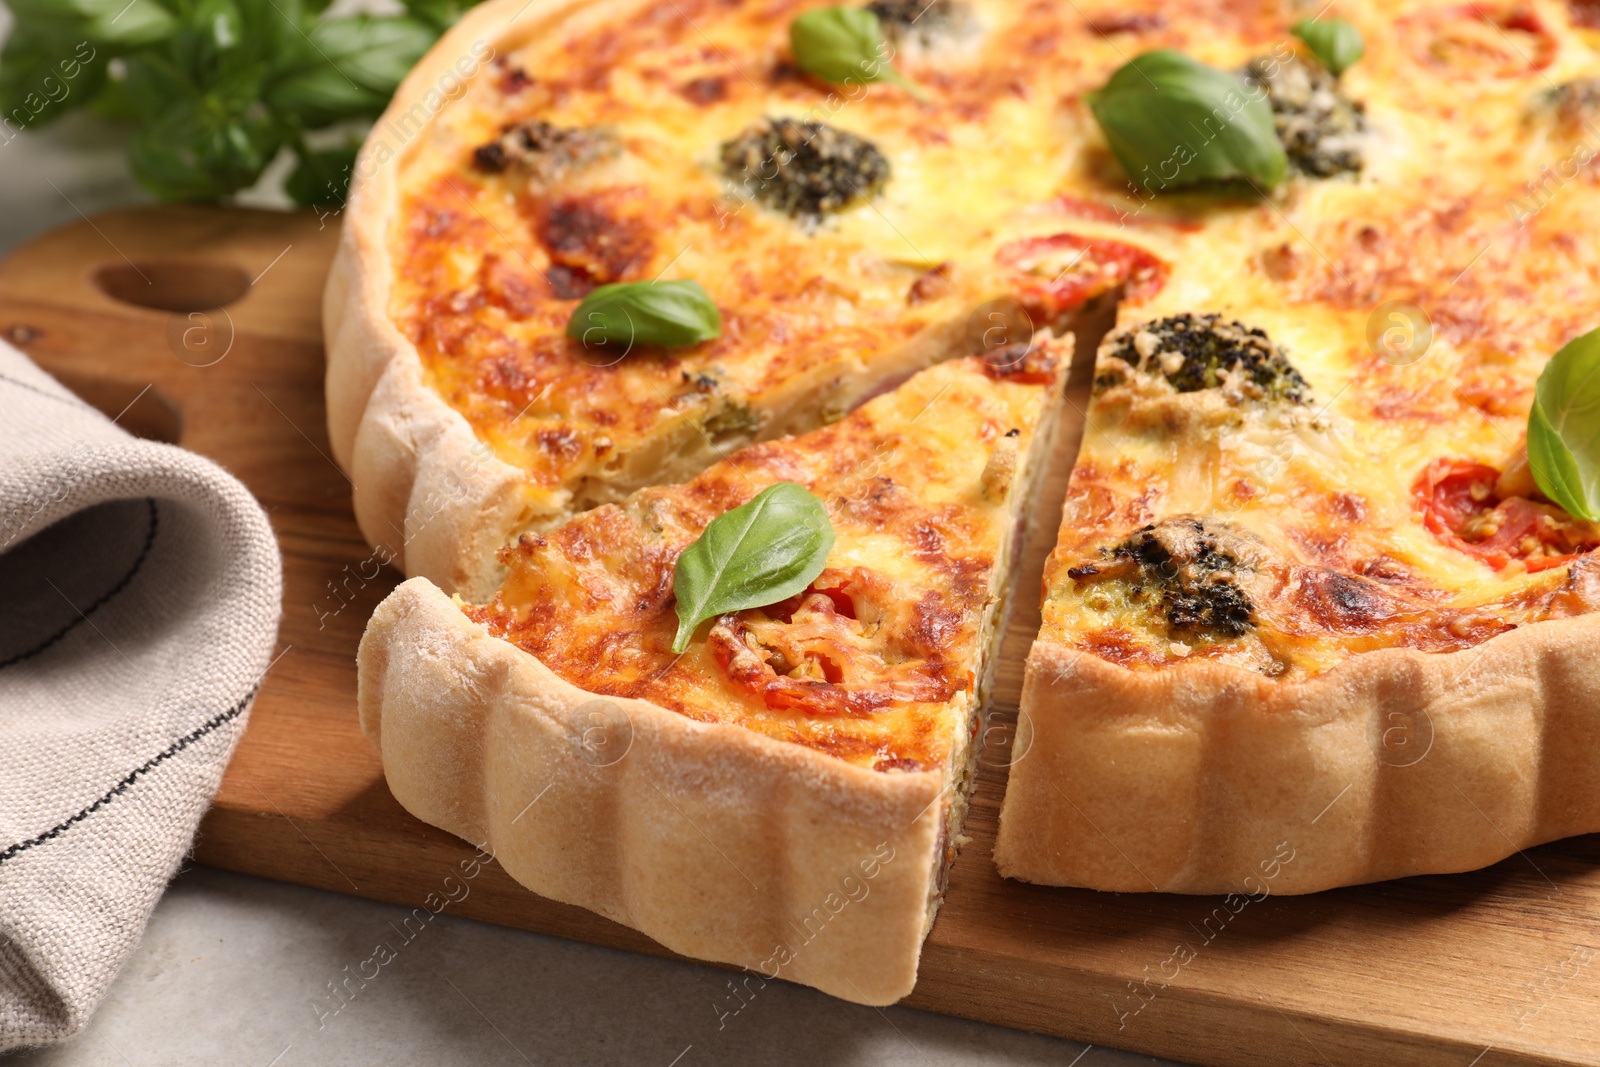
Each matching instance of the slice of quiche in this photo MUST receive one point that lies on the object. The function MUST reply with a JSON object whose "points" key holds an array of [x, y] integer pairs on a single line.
{"points": [[787, 793]]}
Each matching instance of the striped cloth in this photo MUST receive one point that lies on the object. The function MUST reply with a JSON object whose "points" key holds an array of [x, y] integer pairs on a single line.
{"points": [[140, 590]]}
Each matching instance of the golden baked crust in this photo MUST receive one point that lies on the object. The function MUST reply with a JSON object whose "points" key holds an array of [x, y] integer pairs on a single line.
{"points": [[653, 820], [828, 764], [1277, 562], [1212, 779]]}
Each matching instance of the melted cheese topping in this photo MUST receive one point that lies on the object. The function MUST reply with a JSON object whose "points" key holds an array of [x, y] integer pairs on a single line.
{"points": [[814, 316], [877, 662], [1475, 205], [1461, 213]]}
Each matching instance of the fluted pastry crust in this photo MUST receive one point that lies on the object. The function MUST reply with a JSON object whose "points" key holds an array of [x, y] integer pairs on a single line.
{"points": [[1395, 763]]}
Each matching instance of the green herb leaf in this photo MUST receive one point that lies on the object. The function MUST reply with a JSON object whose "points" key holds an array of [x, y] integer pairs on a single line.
{"points": [[844, 45], [1564, 428], [646, 313], [132, 27], [202, 135], [322, 178], [350, 68], [215, 88], [1173, 122], [43, 77], [104, 23], [757, 554], [1336, 43], [440, 14], [194, 154]]}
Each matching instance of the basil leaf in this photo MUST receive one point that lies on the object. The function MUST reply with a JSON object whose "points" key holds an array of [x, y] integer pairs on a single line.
{"points": [[195, 156], [105, 23], [757, 554], [1564, 428], [43, 77], [1336, 43], [844, 45], [197, 143], [348, 68], [1172, 122], [440, 14], [322, 178], [215, 88], [646, 313], [153, 87]]}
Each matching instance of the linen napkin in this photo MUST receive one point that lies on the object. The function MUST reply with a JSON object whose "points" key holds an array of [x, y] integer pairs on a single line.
{"points": [[140, 590]]}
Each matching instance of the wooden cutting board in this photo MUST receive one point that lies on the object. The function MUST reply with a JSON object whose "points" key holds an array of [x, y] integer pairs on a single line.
{"points": [[1497, 967]]}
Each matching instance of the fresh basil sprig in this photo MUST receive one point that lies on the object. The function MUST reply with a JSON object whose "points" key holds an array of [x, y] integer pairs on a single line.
{"points": [[215, 90], [1335, 43], [1564, 428], [842, 45], [646, 313], [757, 554], [1173, 121]]}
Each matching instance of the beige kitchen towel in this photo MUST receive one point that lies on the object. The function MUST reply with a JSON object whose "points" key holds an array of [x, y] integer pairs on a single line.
{"points": [[140, 590]]}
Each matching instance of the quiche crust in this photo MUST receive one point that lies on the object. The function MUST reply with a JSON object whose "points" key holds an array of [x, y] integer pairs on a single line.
{"points": [[420, 483], [1392, 764], [718, 842]]}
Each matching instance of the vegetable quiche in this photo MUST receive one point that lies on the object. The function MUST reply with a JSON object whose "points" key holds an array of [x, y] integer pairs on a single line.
{"points": [[653, 273], [786, 794]]}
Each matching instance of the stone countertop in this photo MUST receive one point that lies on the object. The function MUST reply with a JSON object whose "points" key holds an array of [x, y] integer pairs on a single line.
{"points": [[238, 970]]}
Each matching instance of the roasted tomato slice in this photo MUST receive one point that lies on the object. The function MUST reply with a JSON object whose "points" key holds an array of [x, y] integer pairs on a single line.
{"points": [[813, 654], [1461, 508], [1131, 214], [1024, 362], [1477, 40], [1062, 271]]}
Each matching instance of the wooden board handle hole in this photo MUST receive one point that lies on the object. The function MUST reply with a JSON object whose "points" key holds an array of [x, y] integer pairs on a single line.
{"points": [[173, 285]]}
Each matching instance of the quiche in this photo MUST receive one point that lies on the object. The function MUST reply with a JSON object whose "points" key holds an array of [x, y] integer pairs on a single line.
{"points": [[1305, 598], [787, 793], [1306, 594]]}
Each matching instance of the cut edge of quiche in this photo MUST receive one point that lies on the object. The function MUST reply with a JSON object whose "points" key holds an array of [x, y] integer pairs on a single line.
{"points": [[756, 837]]}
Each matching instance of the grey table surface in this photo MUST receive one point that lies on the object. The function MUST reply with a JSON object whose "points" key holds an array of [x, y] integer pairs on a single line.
{"points": [[236, 970]]}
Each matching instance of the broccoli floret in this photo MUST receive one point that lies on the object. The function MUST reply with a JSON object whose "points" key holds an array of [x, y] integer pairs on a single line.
{"points": [[1321, 128], [922, 22], [804, 169], [734, 419], [546, 151], [1195, 352], [1187, 568], [1575, 104]]}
